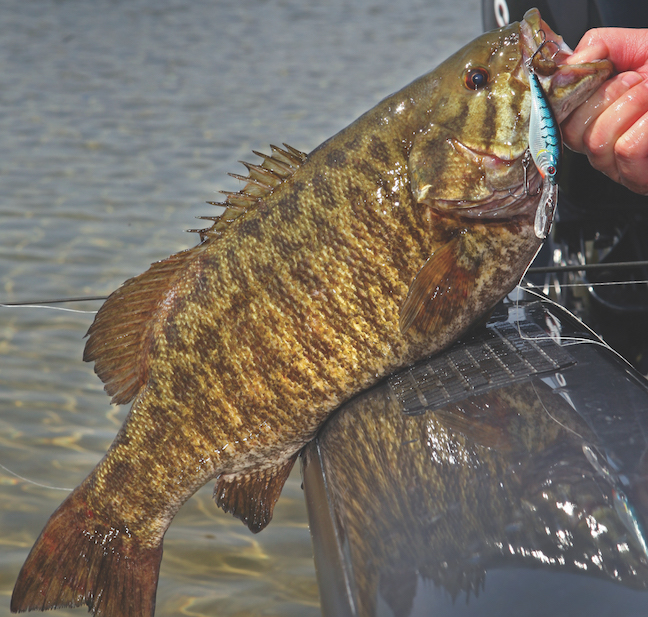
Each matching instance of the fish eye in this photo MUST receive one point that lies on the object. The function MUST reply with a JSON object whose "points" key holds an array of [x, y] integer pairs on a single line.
{"points": [[477, 78]]}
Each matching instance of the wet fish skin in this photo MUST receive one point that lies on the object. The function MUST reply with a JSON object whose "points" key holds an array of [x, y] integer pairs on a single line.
{"points": [[383, 246]]}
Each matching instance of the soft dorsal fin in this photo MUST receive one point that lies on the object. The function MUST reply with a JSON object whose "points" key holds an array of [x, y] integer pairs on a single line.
{"points": [[438, 289], [261, 181], [121, 335], [252, 497]]}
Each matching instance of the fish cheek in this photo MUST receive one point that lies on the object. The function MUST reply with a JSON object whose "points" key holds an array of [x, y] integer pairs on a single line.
{"points": [[442, 169]]}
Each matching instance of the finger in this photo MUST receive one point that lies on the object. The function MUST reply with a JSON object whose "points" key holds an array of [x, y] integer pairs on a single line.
{"points": [[601, 138], [632, 156], [626, 48], [582, 118], [589, 49]]}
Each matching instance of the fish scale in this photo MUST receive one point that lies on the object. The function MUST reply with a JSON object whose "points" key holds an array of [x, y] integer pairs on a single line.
{"points": [[326, 273]]}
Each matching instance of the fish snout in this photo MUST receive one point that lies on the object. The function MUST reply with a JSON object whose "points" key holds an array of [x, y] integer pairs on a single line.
{"points": [[566, 85]]}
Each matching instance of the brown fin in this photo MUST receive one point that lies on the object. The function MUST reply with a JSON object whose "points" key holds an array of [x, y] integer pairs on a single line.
{"points": [[120, 336], [78, 560], [438, 289], [252, 497], [261, 181]]}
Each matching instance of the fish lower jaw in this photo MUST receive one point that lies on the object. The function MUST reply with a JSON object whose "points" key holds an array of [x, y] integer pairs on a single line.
{"points": [[572, 84], [501, 205]]}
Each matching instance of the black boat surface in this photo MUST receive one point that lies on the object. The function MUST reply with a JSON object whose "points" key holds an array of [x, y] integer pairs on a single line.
{"points": [[504, 476]]}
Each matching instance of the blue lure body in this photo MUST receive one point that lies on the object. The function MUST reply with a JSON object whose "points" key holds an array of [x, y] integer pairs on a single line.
{"points": [[545, 140], [545, 146]]}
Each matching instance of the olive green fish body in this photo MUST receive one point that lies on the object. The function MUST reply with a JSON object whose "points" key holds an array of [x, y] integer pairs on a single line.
{"points": [[293, 311], [270, 328], [324, 274]]}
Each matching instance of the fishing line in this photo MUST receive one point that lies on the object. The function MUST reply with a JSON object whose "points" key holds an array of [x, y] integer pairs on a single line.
{"points": [[56, 300], [45, 306], [563, 341], [600, 284], [55, 488], [558, 422], [531, 288], [587, 267]]}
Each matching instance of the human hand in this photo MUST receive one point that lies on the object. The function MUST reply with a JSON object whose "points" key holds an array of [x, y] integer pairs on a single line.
{"points": [[611, 127]]}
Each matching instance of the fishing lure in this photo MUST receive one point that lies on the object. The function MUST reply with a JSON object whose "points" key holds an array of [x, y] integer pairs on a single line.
{"points": [[545, 146], [546, 207], [545, 139]]}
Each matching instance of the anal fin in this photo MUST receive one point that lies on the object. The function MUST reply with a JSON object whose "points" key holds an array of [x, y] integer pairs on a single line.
{"points": [[252, 497]]}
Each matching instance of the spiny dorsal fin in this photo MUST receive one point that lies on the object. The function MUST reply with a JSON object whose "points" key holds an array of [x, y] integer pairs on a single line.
{"points": [[252, 497], [438, 289], [120, 337], [260, 182]]}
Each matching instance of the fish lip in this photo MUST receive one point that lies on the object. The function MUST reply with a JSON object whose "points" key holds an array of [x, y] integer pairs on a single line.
{"points": [[557, 75], [555, 50], [506, 206]]}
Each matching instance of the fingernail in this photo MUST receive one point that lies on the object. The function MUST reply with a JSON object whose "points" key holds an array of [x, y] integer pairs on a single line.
{"points": [[631, 79]]}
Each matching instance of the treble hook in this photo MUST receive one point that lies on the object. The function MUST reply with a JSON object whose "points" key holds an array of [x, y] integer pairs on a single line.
{"points": [[529, 62], [526, 162]]}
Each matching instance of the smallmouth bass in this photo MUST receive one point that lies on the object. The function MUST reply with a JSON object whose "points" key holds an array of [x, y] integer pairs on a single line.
{"points": [[325, 273]]}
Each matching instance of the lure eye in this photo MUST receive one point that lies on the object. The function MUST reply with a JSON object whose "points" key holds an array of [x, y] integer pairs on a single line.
{"points": [[551, 170], [475, 79]]}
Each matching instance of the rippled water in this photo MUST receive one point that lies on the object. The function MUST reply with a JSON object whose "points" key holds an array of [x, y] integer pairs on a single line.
{"points": [[118, 121]]}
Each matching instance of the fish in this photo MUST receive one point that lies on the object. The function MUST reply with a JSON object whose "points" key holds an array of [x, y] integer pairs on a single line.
{"points": [[327, 272]]}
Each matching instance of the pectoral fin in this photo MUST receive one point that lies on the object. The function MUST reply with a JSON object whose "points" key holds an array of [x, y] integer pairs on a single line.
{"points": [[252, 497], [441, 287]]}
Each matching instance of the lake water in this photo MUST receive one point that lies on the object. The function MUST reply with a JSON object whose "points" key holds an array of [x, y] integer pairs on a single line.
{"points": [[118, 121]]}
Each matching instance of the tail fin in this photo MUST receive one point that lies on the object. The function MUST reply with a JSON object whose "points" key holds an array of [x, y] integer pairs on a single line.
{"points": [[79, 560]]}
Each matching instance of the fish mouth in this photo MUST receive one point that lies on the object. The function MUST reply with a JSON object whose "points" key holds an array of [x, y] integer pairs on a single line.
{"points": [[566, 86], [502, 203]]}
